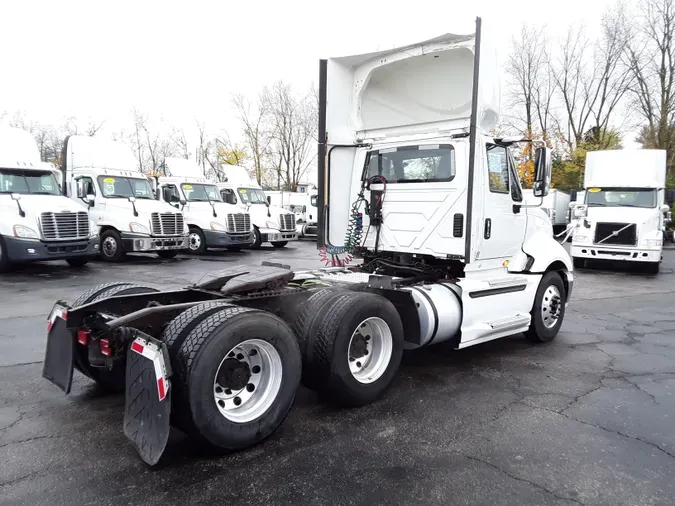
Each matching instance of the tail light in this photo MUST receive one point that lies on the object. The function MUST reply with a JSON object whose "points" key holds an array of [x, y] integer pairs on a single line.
{"points": [[105, 347], [83, 337]]}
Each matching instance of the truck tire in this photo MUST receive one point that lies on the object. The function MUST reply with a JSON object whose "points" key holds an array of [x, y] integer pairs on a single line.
{"points": [[257, 242], [167, 254], [310, 317], [5, 263], [77, 261], [579, 263], [280, 244], [112, 249], [179, 328], [236, 377], [548, 310], [196, 241], [356, 352], [110, 380]]}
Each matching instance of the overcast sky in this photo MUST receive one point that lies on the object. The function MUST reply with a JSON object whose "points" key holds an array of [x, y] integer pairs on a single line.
{"points": [[183, 59]]}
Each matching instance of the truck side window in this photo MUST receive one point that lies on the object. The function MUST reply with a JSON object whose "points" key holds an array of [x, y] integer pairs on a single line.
{"points": [[498, 168], [228, 196]]}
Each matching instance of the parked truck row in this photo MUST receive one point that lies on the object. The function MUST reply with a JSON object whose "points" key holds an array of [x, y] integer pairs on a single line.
{"points": [[100, 203]]}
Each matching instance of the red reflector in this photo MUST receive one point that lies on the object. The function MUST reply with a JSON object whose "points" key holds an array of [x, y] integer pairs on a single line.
{"points": [[83, 336], [105, 347], [137, 348], [161, 389]]}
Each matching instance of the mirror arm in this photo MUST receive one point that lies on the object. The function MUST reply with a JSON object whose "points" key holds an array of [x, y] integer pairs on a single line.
{"points": [[133, 205]]}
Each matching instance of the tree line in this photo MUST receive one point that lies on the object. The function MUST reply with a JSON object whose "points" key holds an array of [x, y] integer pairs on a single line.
{"points": [[277, 141], [580, 94]]}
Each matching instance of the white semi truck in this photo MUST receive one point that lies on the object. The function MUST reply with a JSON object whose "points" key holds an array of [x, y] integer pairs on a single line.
{"points": [[450, 252], [212, 222], [36, 221], [271, 224], [103, 176], [556, 205], [623, 214], [303, 205]]}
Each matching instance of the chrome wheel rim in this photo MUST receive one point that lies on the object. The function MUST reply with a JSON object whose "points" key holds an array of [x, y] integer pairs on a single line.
{"points": [[247, 381], [370, 350], [109, 246], [551, 305], [194, 241]]}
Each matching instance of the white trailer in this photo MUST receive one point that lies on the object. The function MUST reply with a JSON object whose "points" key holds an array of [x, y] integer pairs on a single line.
{"points": [[451, 253], [212, 222], [272, 224], [303, 205], [103, 177], [36, 221], [623, 215]]}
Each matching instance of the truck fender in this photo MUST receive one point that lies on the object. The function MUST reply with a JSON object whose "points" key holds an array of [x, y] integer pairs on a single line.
{"points": [[541, 251]]}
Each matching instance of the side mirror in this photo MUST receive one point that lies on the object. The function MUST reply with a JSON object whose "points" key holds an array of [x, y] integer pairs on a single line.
{"points": [[573, 196], [173, 198], [182, 202], [580, 212], [81, 190], [91, 200], [16, 196], [665, 208], [670, 197], [572, 205], [304, 209], [132, 199], [542, 171], [269, 199]]}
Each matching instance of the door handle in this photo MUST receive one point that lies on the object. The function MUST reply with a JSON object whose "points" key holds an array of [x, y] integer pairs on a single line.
{"points": [[488, 228]]}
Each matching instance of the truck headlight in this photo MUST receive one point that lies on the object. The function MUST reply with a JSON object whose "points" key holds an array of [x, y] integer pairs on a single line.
{"points": [[652, 243], [93, 229], [218, 226], [25, 232], [580, 238], [271, 224], [139, 228]]}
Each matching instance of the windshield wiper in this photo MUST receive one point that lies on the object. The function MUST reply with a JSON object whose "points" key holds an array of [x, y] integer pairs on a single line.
{"points": [[115, 196], [43, 193]]}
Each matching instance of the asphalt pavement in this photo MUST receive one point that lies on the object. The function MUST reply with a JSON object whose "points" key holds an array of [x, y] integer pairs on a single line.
{"points": [[586, 419]]}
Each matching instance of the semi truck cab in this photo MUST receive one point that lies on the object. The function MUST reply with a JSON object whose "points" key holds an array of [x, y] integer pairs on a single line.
{"points": [[212, 222], [36, 221], [102, 176]]}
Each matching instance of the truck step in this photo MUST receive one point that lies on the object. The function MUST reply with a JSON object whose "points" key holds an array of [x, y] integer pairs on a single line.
{"points": [[512, 322]]}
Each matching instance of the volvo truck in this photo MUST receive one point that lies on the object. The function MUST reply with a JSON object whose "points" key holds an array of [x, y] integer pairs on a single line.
{"points": [[104, 178], [271, 224], [212, 223], [623, 215], [36, 221], [414, 187]]}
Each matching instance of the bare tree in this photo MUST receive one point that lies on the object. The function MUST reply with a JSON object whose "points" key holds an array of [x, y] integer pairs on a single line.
{"points": [[294, 125], [180, 142], [256, 130], [651, 59]]}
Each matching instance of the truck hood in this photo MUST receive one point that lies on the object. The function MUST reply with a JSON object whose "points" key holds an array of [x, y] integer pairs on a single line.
{"points": [[418, 87], [145, 206], [205, 207], [637, 215], [259, 213], [36, 204]]}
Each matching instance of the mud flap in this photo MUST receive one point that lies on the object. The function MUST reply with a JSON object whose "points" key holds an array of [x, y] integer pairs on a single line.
{"points": [[60, 352], [147, 405]]}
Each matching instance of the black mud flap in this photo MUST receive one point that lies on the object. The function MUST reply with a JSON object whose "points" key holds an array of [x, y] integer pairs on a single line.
{"points": [[147, 407], [60, 352]]}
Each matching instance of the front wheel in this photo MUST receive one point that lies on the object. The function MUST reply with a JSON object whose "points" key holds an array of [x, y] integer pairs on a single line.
{"points": [[5, 263], [77, 261], [258, 239], [549, 309], [111, 246], [280, 244], [196, 241]]}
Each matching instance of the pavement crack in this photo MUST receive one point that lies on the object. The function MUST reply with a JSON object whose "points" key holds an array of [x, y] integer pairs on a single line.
{"points": [[21, 478], [7, 427], [523, 480], [30, 439], [20, 364]]}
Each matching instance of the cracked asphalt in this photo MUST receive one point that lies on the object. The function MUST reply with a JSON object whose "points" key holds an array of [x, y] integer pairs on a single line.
{"points": [[586, 419]]}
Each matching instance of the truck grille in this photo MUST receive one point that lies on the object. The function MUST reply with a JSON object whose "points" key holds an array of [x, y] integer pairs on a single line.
{"points": [[627, 237], [166, 223], [287, 222], [239, 222], [65, 225]]}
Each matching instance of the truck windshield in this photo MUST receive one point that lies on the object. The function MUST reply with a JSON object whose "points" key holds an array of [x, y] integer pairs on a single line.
{"points": [[201, 192], [28, 182], [124, 187], [312, 200], [252, 195], [621, 197], [412, 164]]}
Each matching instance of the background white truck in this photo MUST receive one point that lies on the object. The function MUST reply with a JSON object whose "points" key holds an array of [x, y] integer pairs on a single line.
{"points": [[556, 205], [36, 221], [212, 222], [623, 215], [450, 251], [103, 176], [271, 224], [303, 205]]}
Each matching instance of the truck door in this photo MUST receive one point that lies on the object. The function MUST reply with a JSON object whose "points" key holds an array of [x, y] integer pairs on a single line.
{"points": [[503, 225]]}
